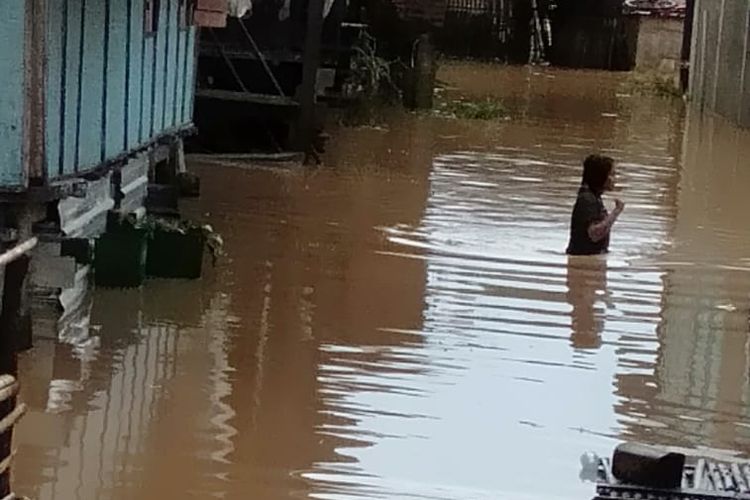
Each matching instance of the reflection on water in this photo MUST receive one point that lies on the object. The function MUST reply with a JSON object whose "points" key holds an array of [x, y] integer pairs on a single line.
{"points": [[403, 322], [587, 291]]}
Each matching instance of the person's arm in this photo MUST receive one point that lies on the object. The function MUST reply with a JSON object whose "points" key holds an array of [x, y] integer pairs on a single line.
{"points": [[599, 230]]}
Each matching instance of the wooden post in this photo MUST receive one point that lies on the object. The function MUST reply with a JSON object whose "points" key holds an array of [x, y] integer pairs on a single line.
{"points": [[311, 61], [421, 80], [687, 41], [12, 319]]}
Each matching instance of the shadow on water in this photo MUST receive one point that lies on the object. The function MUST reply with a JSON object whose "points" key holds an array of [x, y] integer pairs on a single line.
{"points": [[403, 322]]}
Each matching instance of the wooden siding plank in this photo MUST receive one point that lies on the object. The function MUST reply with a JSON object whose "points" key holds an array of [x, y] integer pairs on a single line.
{"points": [[189, 96], [157, 119], [147, 107], [179, 80], [54, 83], [71, 92], [12, 26], [170, 63], [136, 73], [116, 70], [92, 90], [182, 111]]}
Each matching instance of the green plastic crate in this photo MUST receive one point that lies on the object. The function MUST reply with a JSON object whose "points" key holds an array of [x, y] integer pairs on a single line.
{"points": [[172, 254], [120, 258]]}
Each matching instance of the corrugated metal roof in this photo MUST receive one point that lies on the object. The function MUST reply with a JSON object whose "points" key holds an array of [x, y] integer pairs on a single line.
{"points": [[432, 11]]}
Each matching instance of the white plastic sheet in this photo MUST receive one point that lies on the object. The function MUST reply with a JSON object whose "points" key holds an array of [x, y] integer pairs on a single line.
{"points": [[240, 8]]}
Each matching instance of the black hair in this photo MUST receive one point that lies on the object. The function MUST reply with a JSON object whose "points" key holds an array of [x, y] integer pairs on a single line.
{"points": [[596, 170]]}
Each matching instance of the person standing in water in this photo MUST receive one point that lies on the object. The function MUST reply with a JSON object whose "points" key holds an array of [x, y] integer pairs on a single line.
{"points": [[590, 223]]}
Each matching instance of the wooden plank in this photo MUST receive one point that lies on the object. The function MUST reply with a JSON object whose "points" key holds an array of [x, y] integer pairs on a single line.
{"points": [[135, 42], [248, 97], [171, 65], [179, 75], [92, 90], [212, 5], [35, 122], [116, 67], [54, 110], [191, 61], [157, 120], [71, 88], [12, 28], [147, 107], [311, 62], [210, 19]]}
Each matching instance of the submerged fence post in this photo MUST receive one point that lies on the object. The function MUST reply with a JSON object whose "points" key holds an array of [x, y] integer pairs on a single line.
{"points": [[687, 41], [311, 63], [420, 84]]}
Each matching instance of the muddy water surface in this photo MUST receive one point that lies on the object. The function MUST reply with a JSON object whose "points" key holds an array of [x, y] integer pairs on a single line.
{"points": [[403, 322]]}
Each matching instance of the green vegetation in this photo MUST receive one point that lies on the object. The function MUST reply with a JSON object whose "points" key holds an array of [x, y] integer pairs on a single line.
{"points": [[151, 224], [487, 108], [370, 86]]}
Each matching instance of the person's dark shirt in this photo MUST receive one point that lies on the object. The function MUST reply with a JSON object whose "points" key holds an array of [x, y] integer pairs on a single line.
{"points": [[589, 209]]}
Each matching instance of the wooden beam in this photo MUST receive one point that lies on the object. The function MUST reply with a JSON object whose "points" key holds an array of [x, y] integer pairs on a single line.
{"points": [[311, 61]]}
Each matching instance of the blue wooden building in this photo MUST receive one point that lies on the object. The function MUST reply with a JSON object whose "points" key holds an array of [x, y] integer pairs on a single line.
{"points": [[95, 98], [87, 83]]}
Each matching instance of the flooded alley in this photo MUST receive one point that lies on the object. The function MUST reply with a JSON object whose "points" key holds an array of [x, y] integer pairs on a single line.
{"points": [[402, 322]]}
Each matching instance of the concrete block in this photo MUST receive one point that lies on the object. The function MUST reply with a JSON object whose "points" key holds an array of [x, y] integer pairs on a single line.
{"points": [[649, 466], [52, 272]]}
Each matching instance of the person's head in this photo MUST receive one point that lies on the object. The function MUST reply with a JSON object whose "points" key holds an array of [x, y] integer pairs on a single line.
{"points": [[599, 173]]}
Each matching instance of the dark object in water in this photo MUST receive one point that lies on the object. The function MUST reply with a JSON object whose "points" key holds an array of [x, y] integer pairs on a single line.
{"points": [[163, 199], [701, 480], [173, 254], [647, 466], [120, 258], [316, 148], [189, 184]]}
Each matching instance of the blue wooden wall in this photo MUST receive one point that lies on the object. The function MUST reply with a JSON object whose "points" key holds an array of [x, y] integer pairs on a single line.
{"points": [[12, 23], [110, 87]]}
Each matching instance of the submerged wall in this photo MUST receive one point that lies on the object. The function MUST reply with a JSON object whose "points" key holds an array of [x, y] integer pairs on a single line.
{"points": [[720, 59]]}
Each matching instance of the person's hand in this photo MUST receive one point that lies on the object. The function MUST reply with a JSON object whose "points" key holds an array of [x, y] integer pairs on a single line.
{"points": [[619, 206]]}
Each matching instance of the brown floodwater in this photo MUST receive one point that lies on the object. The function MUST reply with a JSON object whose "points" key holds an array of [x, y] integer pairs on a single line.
{"points": [[403, 323]]}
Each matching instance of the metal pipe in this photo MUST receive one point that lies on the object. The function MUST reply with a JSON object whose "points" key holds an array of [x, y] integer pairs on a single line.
{"points": [[17, 251]]}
